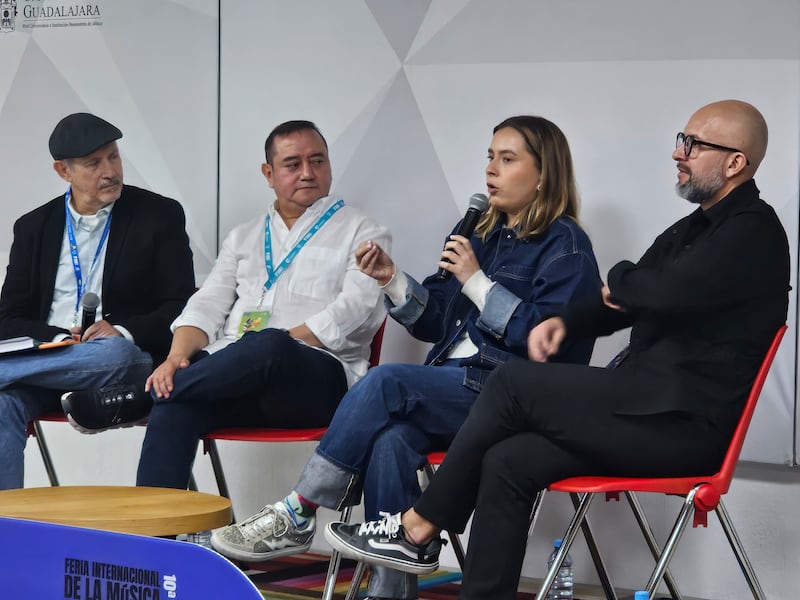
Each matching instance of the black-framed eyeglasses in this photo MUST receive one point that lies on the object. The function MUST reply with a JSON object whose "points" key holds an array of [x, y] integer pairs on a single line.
{"points": [[689, 141]]}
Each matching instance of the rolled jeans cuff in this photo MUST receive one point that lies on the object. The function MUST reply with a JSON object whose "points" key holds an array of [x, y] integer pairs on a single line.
{"points": [[328, 484]]}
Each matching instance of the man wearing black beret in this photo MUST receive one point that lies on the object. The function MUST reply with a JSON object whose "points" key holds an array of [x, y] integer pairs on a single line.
{"points": [[124, 248]]}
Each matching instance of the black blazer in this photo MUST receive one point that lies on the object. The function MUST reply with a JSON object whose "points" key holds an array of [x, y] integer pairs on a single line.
{"points": [[147, 278]]}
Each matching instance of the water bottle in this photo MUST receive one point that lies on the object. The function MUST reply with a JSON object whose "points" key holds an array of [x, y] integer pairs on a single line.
{"points": [[201, 538], [562, 585], [641, 595]]}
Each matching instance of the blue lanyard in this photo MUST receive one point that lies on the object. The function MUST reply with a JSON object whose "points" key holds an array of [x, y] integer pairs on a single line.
{"points": [[273, 274], [73, 250]]}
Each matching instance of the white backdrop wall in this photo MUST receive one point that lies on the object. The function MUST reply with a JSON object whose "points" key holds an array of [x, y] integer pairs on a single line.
{"points": [[407, 94], [127, 67]]}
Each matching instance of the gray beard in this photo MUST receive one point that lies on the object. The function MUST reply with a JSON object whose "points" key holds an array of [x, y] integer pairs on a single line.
{"points": [[697, 190]]}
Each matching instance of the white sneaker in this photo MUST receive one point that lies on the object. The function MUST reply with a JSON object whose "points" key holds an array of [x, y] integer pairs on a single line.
{"points": [[270, 533]]}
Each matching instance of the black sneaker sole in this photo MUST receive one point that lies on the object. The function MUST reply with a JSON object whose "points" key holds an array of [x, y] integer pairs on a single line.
{"points": [[359, 554], [78, 427]]}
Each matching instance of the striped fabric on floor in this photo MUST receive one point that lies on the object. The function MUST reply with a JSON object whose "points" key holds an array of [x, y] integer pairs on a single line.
{"points": [[303, 576]]}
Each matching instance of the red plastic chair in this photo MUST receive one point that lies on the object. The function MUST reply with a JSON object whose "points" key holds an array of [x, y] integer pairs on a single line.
{"points": [[702, 495], [266, 434], [269, 434]]}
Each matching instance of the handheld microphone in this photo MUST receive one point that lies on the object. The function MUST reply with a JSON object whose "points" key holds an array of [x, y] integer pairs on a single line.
{"points": [[478, 204], [89, 303]]}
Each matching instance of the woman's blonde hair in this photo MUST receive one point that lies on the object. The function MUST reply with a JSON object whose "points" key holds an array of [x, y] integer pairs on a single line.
{"points": [[558, 195]]}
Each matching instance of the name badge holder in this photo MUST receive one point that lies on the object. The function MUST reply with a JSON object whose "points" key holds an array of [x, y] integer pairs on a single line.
{"points": [[76, 259]]}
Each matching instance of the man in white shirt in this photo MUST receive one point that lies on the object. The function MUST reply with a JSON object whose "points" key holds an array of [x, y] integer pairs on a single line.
{"points": [[282, 326]]}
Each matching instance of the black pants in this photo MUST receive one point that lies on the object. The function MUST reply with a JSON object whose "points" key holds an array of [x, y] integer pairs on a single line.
{"points": [[534, 424]]}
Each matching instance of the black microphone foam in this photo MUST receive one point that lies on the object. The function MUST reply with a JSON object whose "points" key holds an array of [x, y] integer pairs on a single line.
{"points": [[478, 204], [89, 304]]}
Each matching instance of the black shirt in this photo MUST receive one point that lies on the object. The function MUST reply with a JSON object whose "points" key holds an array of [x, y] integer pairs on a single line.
{"points": [[704, 303]]}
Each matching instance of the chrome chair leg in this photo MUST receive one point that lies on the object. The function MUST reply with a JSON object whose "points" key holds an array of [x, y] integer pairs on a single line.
{"points": [[45, 452], [219, 474], [535, 510], [335, 561], [687, 510], [594, 552], [655, 550], [355, 583], [566, 543], [738, 550]]}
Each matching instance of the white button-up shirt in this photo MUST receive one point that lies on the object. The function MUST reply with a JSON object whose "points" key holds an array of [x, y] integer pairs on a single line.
{"points": [[323, 287]]}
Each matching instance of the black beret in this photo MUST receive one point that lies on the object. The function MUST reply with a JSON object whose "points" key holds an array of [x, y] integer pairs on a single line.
{"points": [[80, 134]]}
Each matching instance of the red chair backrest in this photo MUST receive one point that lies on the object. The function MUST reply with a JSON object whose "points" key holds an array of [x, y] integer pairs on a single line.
{"points": [[375, 346], [436, 458], [722, 480]]}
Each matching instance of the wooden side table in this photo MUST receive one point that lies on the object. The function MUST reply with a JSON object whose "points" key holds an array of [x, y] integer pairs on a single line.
{"points": [[140, 510]]}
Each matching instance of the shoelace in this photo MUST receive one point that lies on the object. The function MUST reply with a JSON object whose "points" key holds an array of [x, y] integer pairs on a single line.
{"points": [[264, 523], [389, 525]]}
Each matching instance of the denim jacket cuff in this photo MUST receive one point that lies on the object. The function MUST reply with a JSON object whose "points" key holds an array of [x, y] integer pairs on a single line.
{"points": [[416, 299], [500, 305]]}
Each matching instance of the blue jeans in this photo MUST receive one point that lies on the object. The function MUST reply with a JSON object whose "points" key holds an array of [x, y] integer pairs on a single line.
{"points": [[379, 437], [31, 384], [265, 379]]}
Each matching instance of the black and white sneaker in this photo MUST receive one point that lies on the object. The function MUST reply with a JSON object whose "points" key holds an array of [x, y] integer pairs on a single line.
{"points": [[383, 543], [110, 407]]}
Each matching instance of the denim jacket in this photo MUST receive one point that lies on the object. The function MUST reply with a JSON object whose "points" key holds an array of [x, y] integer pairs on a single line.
{"points": [[534, 278]]}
